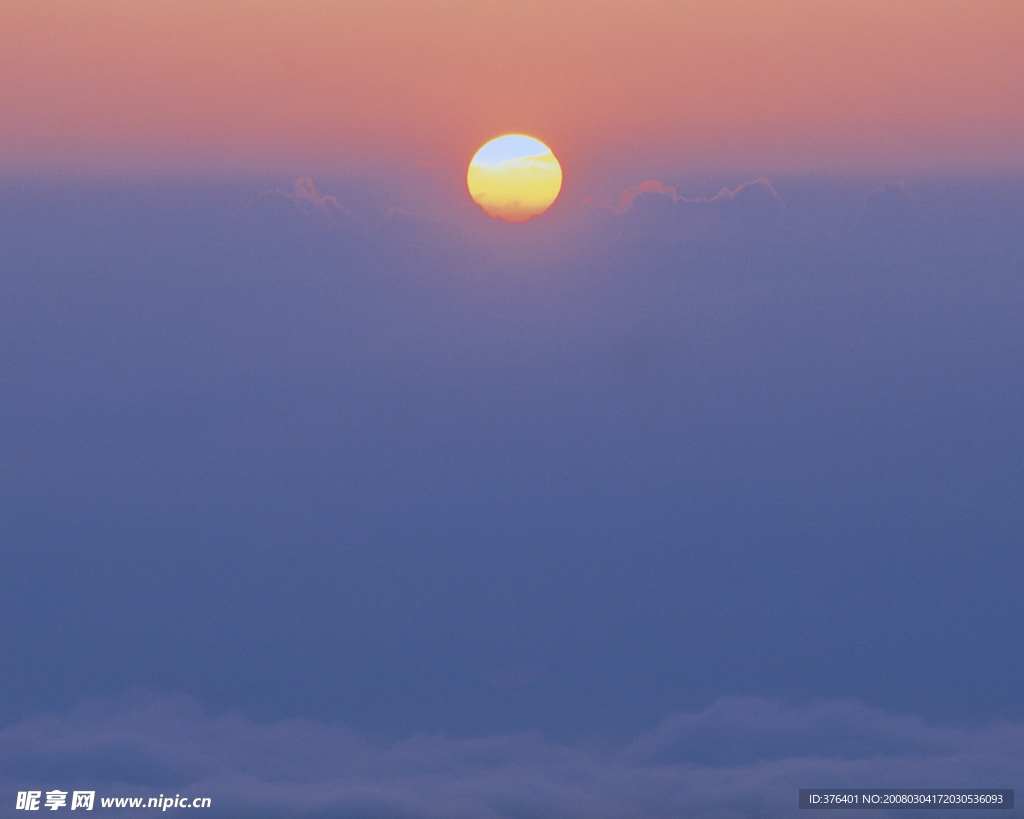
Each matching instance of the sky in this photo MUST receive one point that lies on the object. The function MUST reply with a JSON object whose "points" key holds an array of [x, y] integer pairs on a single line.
{"points": [[257, 84], [324, 494]]}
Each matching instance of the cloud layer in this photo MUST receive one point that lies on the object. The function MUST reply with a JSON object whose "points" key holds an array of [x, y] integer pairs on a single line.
{"points": [[739, 757]]}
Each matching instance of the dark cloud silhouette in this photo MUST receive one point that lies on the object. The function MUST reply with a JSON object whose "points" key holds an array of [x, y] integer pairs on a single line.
{"points": [[302, 209], [657, 208]]}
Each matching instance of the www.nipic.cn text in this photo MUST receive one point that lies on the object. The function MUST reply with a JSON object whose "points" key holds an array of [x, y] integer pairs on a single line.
{"points": [[86, 800]]}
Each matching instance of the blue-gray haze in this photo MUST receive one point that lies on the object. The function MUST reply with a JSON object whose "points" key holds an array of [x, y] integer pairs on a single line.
{"points": [[656, 498]]}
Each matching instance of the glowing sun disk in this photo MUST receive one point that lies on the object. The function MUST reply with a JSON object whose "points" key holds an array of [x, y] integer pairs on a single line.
{"points": [[514, 178]]}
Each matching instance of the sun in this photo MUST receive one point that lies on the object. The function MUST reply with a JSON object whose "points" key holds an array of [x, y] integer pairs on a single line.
{"points": [[514, 177]]}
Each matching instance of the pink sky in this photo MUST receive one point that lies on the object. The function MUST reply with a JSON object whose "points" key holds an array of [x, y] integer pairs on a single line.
{"points": [[313, 84]]}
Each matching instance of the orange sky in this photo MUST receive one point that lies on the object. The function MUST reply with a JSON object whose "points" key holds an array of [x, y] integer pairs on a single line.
{"points": [[347, 84]]}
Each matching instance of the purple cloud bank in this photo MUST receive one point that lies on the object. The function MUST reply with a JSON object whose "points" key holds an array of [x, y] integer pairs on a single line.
{"points": [[739, 757]]}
